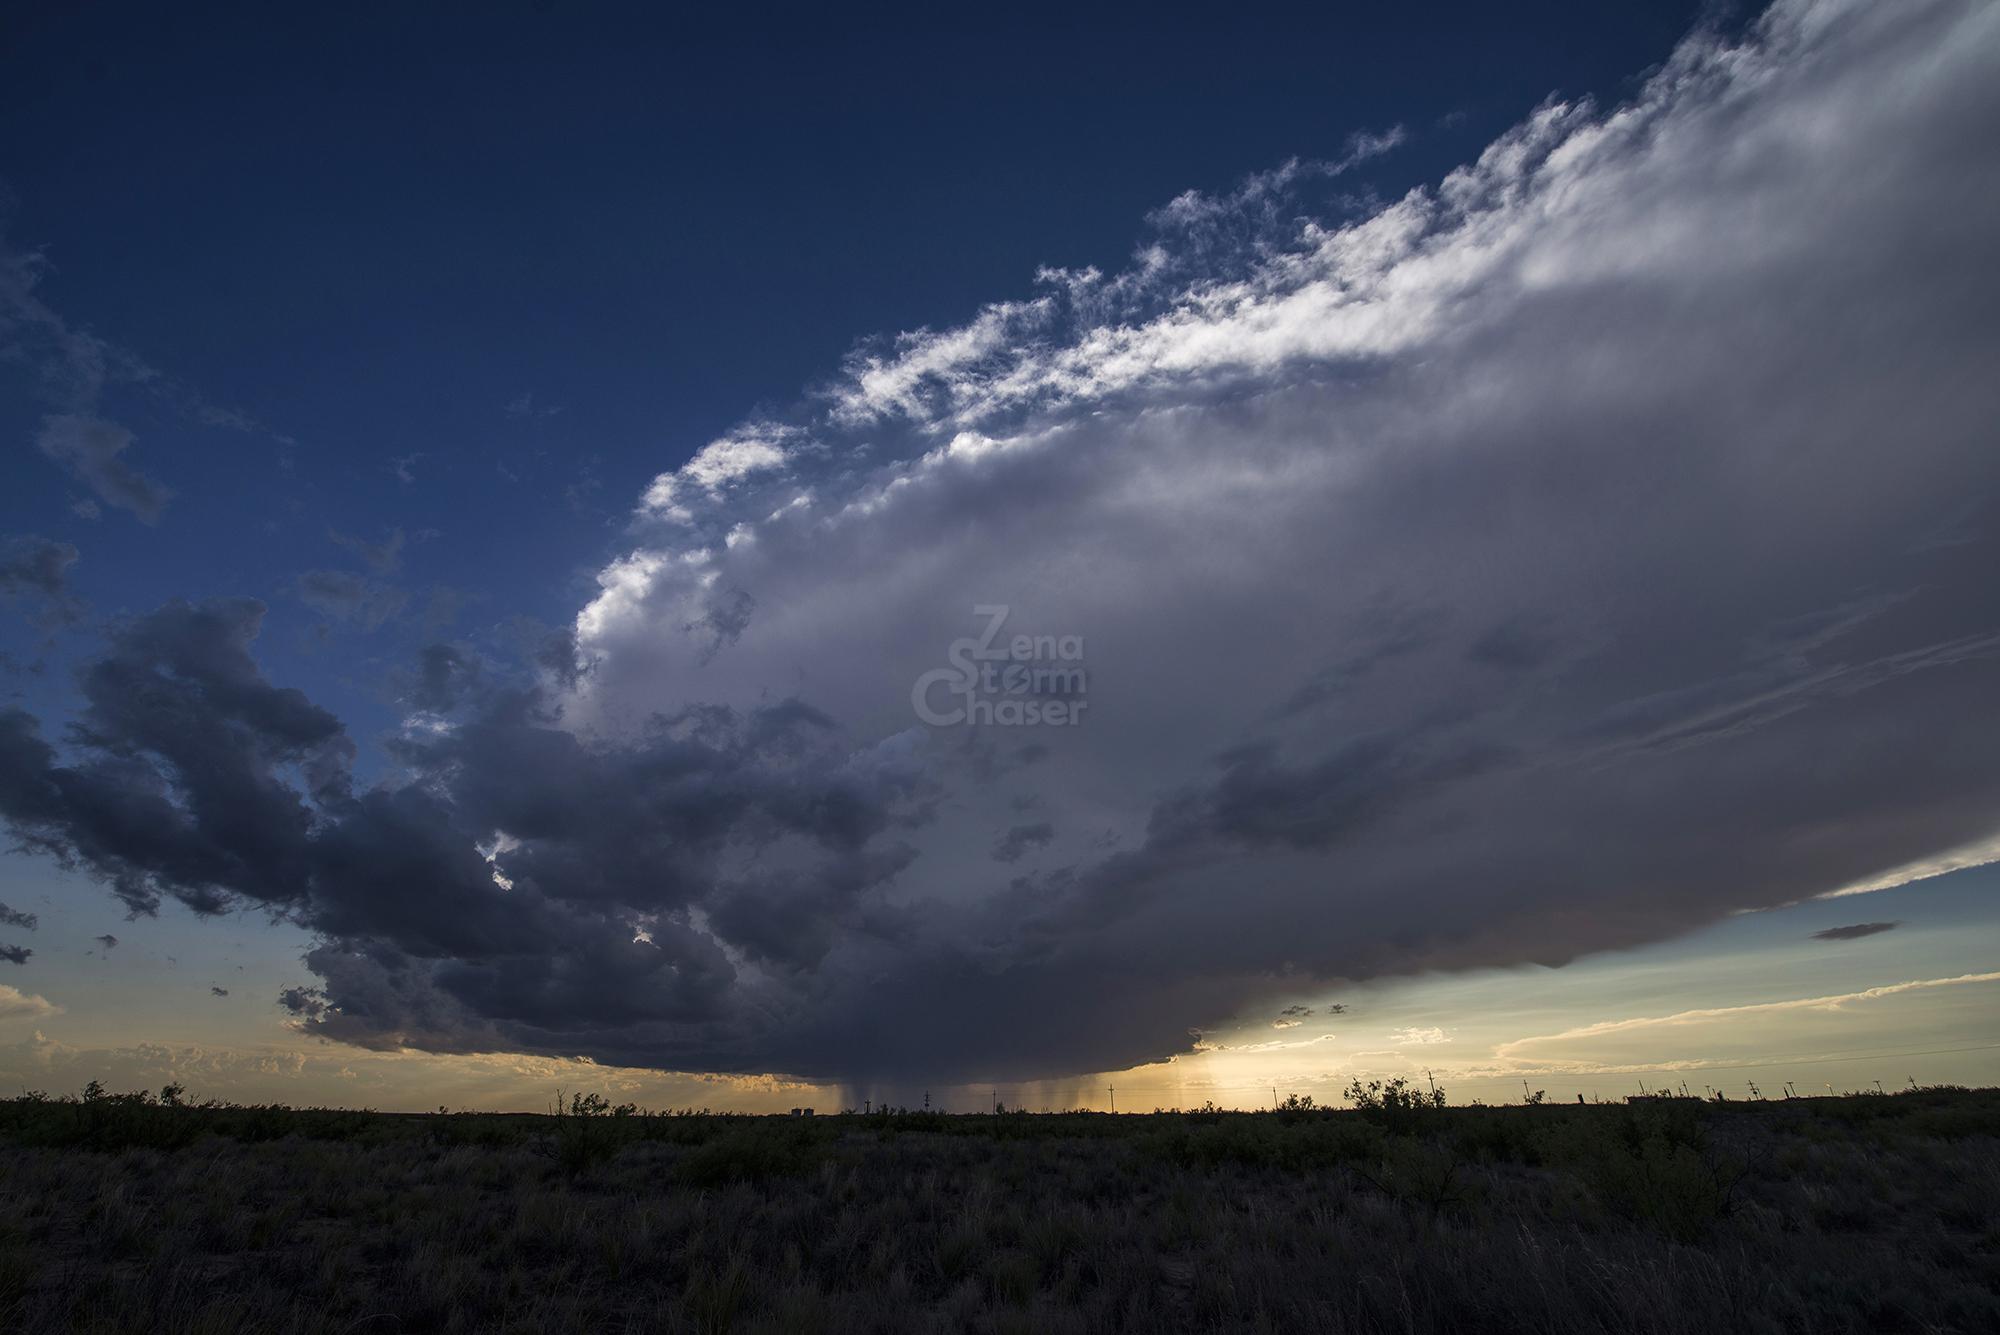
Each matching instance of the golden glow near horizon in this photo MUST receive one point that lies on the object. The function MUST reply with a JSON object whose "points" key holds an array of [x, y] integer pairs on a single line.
{"points": [[1745, 1002]]}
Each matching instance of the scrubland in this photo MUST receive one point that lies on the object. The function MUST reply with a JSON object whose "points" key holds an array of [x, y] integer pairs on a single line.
{"points": [[1866, 1213]]}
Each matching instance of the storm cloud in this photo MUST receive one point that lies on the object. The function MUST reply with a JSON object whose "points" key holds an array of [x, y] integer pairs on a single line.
{"points": [[1545, 562], [518, 890]]}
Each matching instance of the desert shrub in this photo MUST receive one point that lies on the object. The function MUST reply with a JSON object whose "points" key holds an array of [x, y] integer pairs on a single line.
{"points": [[1655, 1163], [584, 1135], [1499, 1135], [1395, 1104], [1426, 1173], [470, 1129], [1261, 1140], [905, 1123], [1951, 1119], [1065, 1223], [747, 1154], [100, 1120]]}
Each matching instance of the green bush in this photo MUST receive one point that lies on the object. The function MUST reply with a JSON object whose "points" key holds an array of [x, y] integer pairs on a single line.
{"points": [[1395, 1104], [1654, 1162], [1425, 1173], [746, 1155]]}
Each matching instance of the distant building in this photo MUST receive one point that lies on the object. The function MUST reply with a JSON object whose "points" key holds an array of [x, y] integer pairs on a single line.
{"points": [[802, 1112]]}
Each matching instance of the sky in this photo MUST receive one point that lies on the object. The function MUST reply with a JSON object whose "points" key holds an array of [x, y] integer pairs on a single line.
{"points": [[778, 560]]}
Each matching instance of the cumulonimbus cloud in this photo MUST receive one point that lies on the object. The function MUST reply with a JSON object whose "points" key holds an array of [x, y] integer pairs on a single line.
{"points": [[1562, 556]]}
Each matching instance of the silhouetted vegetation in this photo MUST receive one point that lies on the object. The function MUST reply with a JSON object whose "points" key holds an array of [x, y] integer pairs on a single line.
{"points": [[150, 1212]]}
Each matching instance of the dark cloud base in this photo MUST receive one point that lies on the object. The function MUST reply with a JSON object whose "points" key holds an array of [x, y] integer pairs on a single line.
{"points": [[200, 782]]}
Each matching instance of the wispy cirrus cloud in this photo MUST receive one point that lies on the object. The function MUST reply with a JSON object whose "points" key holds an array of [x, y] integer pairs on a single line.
{"points": [[716, 468], [1523, 1047], [74, 371]]}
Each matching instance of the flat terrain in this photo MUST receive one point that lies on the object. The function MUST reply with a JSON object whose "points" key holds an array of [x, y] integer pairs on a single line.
{"points": [[1868, 1213]]}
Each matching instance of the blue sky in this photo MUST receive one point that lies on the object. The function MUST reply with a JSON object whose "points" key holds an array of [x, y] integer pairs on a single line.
{"points": [[754, 355]]}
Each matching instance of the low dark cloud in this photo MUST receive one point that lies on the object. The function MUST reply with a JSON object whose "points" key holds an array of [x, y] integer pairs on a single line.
{"points": [[218, 991], [27, 922], [15, 954], [107, 941], [1854, 931], [524, 889], [188, 786]]}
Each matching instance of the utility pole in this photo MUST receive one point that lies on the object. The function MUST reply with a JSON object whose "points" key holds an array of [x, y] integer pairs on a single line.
{"points": [[927, 1100], [1274, 1098], [1525, 1094], [1432, 1083], [1114, 1098]]}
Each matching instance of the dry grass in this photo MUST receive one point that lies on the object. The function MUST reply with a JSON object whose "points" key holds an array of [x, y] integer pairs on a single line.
{"points": [[1861, 1214]]}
